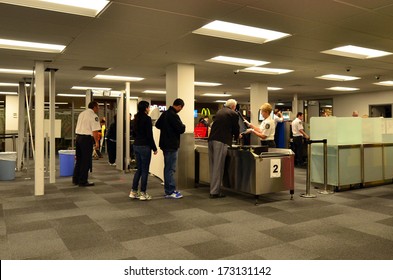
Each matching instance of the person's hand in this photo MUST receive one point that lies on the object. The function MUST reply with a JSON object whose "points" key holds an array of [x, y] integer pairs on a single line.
{"points": [[155, 152], [247, 123], [249, 130]]}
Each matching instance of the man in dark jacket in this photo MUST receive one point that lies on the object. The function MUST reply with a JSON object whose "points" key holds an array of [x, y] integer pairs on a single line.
{"points": [[171, 127], [225, 128]]}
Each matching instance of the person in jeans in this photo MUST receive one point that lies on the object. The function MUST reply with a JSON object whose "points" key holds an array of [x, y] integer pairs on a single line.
{"points": [[171, 127], [143, 145]]}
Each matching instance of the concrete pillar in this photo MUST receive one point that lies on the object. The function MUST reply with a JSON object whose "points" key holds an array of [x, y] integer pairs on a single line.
{"points": [[258, 96], [39, 185], [52, 117], [180, 84]]}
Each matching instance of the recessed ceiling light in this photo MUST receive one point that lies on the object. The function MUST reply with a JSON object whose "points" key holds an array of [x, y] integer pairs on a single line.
{"points": [[239, 32], [86, 88], [9, 85], [8, 93], [16, 71], [274, 88], [207, 84], [385, 83], [268, 71], [71, 95], [343, 88], [237, 61], [118, 78], [334, 77], [56, 103], [30, 46], [356, 52], [217, 94], [155, 91], [78, 7], [221, 101]]}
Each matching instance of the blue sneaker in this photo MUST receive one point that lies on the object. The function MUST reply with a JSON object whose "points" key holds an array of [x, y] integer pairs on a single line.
{"points": [[175, 195]]}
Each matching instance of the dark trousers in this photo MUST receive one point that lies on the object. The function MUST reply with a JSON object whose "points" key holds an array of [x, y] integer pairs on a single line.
{"points": [[84, 151], [298, 149], [269, 143], [111, 146]]}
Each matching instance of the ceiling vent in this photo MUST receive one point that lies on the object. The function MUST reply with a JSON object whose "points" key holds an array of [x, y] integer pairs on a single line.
{"points": [[94, 68]]}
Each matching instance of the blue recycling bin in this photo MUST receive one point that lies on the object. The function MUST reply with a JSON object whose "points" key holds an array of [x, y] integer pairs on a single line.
{"points": [[67, 161], [7, 166]]}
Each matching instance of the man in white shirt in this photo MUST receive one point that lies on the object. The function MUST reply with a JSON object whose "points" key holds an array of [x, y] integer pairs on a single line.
{"points": [[298, 134], [87, 133]]}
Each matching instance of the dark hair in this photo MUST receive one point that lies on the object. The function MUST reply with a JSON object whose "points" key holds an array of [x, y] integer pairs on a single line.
{"points": [[299, 114], [178, 102], [92, 104], [142, 106]]}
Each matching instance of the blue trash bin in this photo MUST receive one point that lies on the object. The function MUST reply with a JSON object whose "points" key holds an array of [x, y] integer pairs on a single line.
{"points": [[7, 166], [67, 160]]}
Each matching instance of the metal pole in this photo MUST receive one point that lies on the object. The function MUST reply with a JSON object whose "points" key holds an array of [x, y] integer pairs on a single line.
{"points": [[27, 151], [308, 181], [325, 191]]}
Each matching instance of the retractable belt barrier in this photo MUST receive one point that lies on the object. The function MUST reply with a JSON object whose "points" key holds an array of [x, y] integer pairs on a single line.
{"points": [[308, 181]]}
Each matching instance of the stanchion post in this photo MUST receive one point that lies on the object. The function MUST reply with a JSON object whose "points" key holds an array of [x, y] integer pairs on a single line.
{"points": [[325, 191], [308, 181]]}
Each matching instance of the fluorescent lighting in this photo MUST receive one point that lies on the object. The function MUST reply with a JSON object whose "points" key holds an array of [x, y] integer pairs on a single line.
{"points": [[385, 83], [9, 85], [16, 71], [356, 52], [30, 46], [78, 7], [239, 32], [221, 101], [86, 88], [56, 103], [334, 77], [342, 88], [217, 94], [206, 84], [8, 93], [237, 61], [274, 88], [155, 91], [71, 95], [263, 70], [118, 78]]}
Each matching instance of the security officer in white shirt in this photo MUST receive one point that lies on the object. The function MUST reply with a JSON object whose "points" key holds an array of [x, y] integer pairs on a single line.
{"points": [[87, 134], [267, 128], [298, 134]]}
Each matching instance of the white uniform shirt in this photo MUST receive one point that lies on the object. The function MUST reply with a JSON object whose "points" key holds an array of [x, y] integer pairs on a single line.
{"points": [[268, 127], [277, 119], [87, 123], [297, 125]]}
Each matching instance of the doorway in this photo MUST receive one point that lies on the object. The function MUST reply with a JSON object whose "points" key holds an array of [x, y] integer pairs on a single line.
{"points": [[384, 110]]}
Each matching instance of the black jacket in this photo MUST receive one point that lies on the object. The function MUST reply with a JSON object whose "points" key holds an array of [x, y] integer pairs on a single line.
{"points": [[225, 126], [143, 131], [171, 127]]}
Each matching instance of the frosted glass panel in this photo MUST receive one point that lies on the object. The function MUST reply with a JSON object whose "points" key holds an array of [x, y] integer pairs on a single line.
{"points": [[350, 166], [349, 131], [373, 168], [317, 163], [372, 130], [324, 128], [388, 156]]}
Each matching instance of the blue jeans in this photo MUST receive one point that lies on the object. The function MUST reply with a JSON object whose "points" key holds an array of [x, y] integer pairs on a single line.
{"points": [[170, 158], [143, 158]]}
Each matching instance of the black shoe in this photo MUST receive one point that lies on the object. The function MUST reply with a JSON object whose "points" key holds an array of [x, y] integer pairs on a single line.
{"points": [[88, 184], [220, 195], [75, 183]]}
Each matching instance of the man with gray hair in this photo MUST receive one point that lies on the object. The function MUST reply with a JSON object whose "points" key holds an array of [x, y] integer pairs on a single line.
{"points": [[225, 127]]}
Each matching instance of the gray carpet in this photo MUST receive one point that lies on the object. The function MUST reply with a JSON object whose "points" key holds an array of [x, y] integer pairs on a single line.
{"points": [[101, 222]]}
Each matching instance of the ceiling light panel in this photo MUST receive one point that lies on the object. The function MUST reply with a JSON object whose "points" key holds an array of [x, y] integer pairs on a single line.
{"points": [[356, 52], [30, 46], [206, 84], [9, 84], [8, 93], [217, 94], [155, 91], [340, 78], [237, 61], [118, 78], [16, 71], [88, 8], [268, 71], [239, 32], [86, 88], [342, 88], [385, 83]]}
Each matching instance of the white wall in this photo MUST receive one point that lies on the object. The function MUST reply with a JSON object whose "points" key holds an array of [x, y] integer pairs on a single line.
{"points": [[344, 105]]}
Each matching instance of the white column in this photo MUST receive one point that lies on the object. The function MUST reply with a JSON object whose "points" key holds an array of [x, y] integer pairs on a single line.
{"points": [[295, 109], [127, 124], [39, 187], [258, 96], [89, 94], [180, 84], [52, 117], [21, 126]]}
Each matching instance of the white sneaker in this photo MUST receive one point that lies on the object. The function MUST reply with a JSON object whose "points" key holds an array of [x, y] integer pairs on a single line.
{"points": [[134, 195], [144, 196]]}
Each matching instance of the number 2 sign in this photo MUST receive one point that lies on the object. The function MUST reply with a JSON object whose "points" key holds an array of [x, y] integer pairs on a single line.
{"points": [[275, 168]]}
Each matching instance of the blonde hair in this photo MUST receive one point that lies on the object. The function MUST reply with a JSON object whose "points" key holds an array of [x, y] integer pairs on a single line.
{"points": [[266, 107]]}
